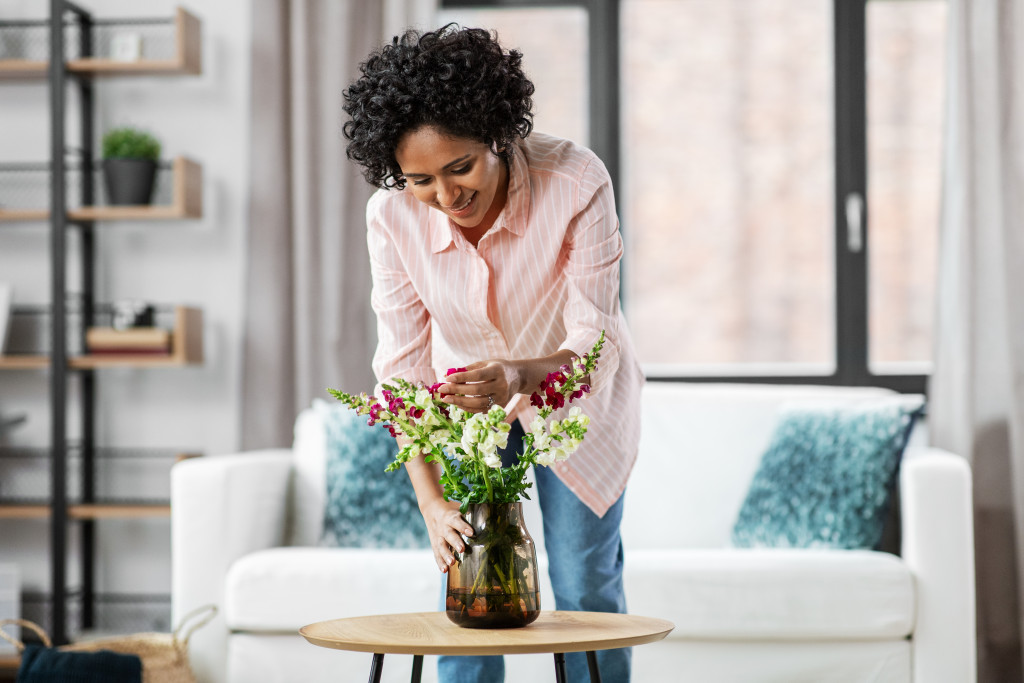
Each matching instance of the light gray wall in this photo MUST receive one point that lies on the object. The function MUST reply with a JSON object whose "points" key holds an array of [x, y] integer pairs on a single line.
{"points": [[198, 263]]}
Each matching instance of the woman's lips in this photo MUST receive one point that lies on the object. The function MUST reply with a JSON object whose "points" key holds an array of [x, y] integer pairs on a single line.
{"points": [[463, 209]]}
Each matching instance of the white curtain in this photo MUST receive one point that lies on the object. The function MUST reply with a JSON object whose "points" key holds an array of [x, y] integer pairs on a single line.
{"points": [[308, 322], [977, 391]]}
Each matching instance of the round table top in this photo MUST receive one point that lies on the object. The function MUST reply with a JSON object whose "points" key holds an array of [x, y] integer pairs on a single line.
{"points": [[431, 633]]}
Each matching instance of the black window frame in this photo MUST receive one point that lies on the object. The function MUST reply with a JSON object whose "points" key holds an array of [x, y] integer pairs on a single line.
{"points": [[852, 367]]}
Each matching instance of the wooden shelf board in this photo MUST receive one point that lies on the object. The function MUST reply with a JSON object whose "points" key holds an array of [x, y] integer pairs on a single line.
{"points": [[24, 362], [22, 68], [187, 59], [24, 511], [24, 215], [87, 511], [186, 349], [88, 362], [10, 662], [109, 511], [187, 202]]}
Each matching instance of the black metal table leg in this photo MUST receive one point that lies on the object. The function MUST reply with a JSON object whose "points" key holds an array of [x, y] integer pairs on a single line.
{"points": [[595, 673], [417, 668], [376, 667], [560, 667]]}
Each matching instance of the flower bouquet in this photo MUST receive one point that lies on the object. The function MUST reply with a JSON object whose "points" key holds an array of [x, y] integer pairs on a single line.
{"points": [[494, 582]]}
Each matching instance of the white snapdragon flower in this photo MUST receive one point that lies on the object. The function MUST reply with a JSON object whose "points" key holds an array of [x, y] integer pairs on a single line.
{"points": [[537, 426], [440, 437], [546, 458], [491, 458]]}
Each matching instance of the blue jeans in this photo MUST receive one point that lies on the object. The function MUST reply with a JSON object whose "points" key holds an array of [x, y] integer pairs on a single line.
{"points": [[585, 565]]}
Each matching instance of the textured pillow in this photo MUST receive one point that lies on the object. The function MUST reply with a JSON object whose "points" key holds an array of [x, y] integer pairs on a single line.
{"points": [[827, 477], [366, 507]]}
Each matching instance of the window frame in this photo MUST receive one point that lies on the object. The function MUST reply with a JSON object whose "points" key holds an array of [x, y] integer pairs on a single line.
{"points": [[849, 25]]}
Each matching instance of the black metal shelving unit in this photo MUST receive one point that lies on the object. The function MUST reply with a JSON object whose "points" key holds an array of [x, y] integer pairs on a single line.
{"points": [[68, 19]]}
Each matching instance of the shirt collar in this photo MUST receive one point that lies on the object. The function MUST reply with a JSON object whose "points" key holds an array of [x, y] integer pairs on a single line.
{"points": [[512, 218]]}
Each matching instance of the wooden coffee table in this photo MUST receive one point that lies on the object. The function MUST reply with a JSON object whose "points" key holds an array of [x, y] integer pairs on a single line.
{"points": [[431, 633]]}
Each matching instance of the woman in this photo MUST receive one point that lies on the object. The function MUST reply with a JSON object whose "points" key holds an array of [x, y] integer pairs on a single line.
{"points": [[498, 250]]}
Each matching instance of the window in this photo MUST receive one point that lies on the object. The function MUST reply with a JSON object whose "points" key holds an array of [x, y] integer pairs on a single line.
{"points": [[776, 165], [727, 184], [558, 68], [905, 96]]}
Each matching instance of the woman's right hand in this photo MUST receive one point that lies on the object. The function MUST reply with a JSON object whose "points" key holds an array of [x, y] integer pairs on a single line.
{"points": [[446, 527]]}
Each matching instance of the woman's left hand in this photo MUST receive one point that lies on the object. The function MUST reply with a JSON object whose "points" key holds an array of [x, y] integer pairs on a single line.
{"points": [[483, 384]]}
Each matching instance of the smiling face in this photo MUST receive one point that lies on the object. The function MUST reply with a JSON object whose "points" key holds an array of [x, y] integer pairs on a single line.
{"points": [[460, 177]]}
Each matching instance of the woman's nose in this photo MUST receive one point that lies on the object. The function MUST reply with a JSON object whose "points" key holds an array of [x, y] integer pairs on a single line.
{"points": [[447, 193]]}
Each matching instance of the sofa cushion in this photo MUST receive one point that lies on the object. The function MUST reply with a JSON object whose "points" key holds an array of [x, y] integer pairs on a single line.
{"points": [[700, 445], [365, 506], [283, 589], [827, 477], [777, 594]]}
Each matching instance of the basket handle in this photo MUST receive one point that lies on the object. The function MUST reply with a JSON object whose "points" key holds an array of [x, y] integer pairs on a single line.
{"points": [[206, 613], [25, 624]]}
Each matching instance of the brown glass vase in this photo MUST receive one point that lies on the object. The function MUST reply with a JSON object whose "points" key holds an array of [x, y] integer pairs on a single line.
{"points": [[494, 582]]}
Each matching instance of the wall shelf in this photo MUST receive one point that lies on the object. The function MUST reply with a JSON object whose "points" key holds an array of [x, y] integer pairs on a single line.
{"points": [[186, 349], [186, 202], [187, 60], [88, 511], [183, 56]]}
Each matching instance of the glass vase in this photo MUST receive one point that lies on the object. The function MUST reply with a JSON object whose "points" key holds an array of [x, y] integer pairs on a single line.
{"points": [[494, 582]]}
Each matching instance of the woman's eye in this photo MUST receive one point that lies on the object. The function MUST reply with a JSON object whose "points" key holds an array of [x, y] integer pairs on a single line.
{"points": [[422, 181], [461, 169]]}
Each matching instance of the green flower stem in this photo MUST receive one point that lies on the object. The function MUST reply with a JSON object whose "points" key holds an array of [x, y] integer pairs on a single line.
{"points": [[487, 480]]}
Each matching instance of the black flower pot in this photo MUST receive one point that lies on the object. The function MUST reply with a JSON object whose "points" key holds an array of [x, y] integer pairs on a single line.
{"points": [[129, 181]]}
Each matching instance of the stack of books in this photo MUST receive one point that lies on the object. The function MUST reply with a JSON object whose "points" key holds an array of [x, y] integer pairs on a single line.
{"points": [[132, 341]]}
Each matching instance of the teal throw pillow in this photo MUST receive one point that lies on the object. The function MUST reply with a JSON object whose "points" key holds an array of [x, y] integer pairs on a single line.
{"points": [[366, 507], [828, 475]]}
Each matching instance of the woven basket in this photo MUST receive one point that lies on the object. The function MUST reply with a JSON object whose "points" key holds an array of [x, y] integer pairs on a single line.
{"points": [[164, 655]]}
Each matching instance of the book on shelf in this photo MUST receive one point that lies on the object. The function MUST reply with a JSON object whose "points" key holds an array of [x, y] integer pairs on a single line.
{"points": [[140, 340]]}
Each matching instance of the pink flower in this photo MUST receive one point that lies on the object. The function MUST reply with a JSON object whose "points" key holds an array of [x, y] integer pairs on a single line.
{"points": [[536, 400], [452, 371], [584, 389], [434, 388]]}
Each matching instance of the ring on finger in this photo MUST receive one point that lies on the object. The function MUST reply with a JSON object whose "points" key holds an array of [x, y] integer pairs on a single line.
{"points": [[490, 401]]}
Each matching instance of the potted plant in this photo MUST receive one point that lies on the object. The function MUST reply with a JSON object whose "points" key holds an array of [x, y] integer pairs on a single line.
{"points": [[129, 165], [494, 581]]}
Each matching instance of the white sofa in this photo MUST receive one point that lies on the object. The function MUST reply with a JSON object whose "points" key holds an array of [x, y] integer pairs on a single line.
{"points": [[245, 527]]}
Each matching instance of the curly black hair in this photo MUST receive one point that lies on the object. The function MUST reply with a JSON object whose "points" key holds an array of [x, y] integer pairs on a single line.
{"points": [[457, 79]]}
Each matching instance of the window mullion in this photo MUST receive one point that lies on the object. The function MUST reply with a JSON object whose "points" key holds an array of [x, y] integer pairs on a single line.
{"points": [[851, 244]]}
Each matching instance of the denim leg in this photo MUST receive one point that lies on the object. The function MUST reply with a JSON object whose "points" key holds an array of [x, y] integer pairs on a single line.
{"points": [[479, 669], [585, 564], [489, 669]]}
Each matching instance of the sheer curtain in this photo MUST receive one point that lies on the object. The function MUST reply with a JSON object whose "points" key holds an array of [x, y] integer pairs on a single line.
{"points": [[308, 322], [977, 391]]}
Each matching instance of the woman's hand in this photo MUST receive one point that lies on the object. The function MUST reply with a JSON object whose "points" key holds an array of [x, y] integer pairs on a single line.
{"points": [[446, 527], [483, 384]]}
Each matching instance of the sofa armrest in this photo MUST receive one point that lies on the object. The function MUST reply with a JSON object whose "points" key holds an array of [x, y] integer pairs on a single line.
{"points": [[938, 548], [222, 508]]}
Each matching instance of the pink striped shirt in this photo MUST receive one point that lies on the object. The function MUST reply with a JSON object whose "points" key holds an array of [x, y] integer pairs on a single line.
{"points": [[544, 277]]}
